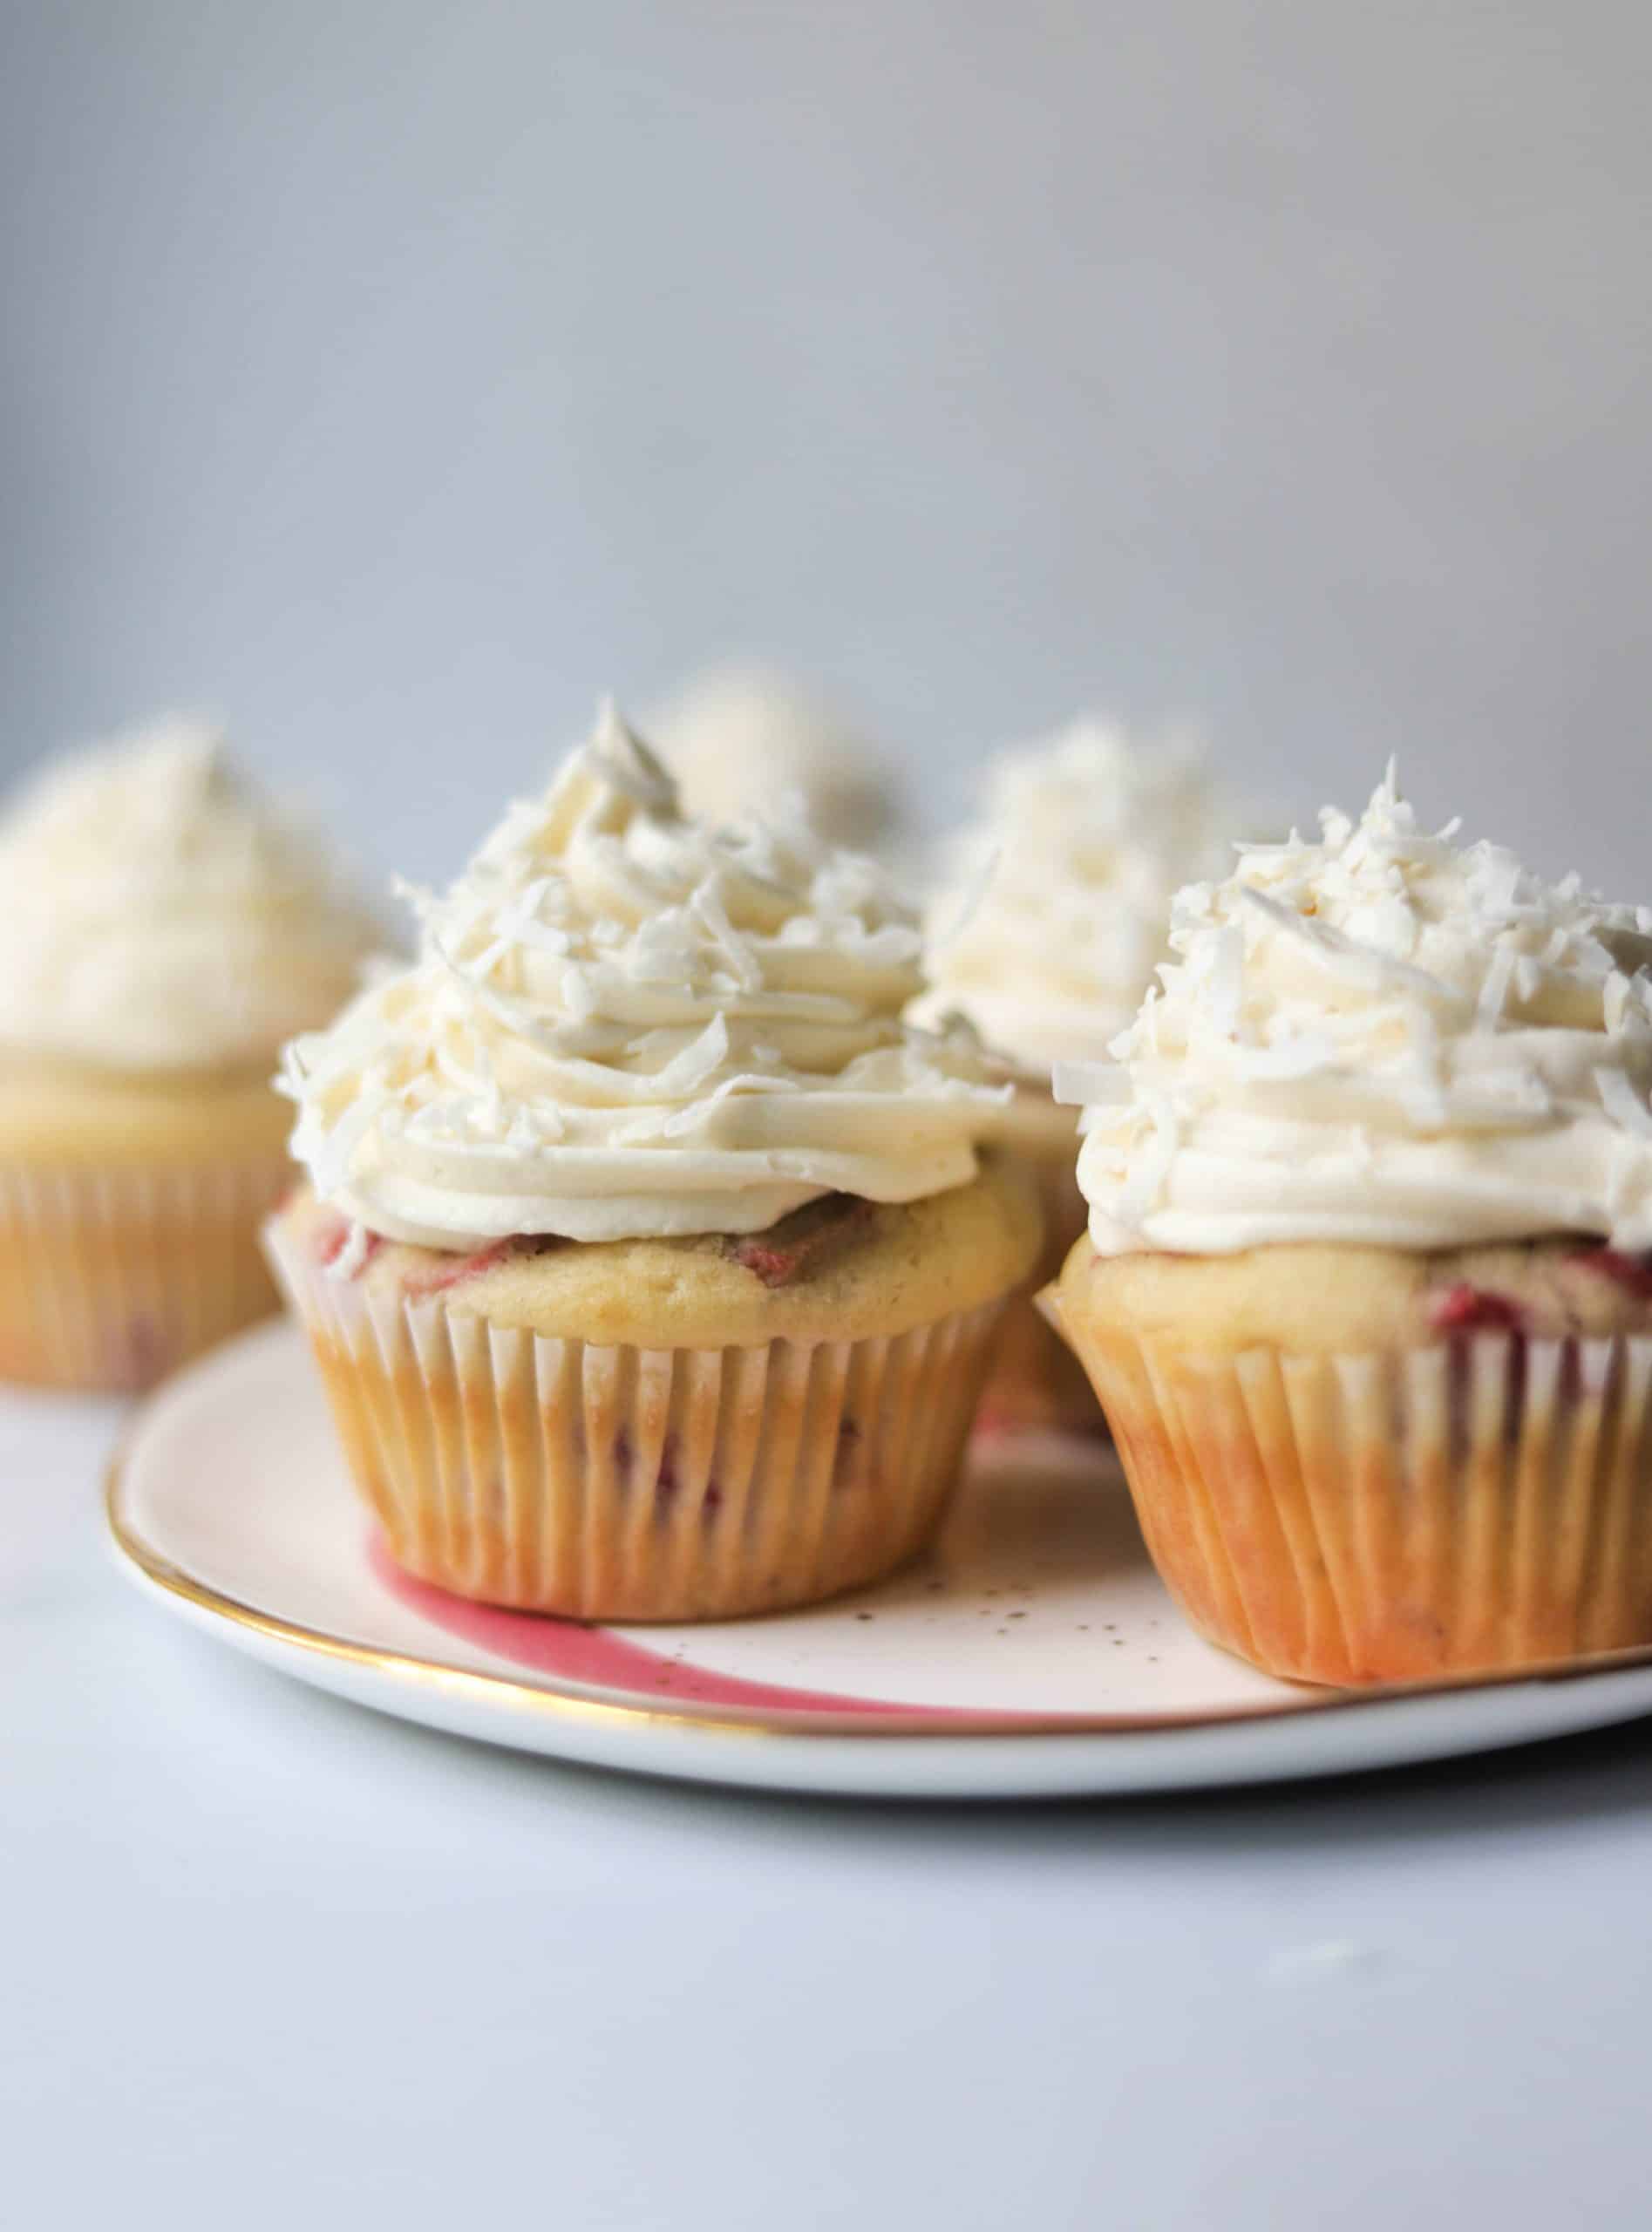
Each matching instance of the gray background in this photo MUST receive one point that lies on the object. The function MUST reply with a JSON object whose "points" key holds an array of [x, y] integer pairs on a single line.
{"points": [[397, 378], [394, 378]]}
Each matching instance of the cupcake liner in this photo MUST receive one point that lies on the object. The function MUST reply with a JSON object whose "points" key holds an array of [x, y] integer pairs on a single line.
{"points": [[1397, 1516], [122, 1274], [1035, 1379], [627, 1483]]}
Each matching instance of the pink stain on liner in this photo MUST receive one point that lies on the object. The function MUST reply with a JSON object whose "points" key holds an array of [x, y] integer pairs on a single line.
{"points": [[598, 1657]]}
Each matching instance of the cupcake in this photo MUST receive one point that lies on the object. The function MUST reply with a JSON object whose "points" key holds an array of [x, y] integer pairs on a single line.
{"points": [[647, 1256], [1044, 932], [165, 930], [1366, 1290], [746, 739]]}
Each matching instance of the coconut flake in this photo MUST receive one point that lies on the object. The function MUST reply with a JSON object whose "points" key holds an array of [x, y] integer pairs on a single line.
{"points": [[739, 951], [1494, 879], [625, 763], [1493, 994], [1227, 982], [698, 1061]]}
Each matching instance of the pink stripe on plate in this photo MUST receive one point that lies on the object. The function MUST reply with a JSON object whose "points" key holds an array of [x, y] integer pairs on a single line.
{"points": [[601, 1659]]}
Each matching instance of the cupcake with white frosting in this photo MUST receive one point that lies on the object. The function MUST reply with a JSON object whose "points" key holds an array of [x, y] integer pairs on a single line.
{"points": [[745, 738], [1367, 1287], [647, 1254], [166, 928], [1046, 929]]}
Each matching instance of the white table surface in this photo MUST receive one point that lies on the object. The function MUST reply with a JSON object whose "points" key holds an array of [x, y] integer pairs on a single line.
{"points": [[269, 1961]]}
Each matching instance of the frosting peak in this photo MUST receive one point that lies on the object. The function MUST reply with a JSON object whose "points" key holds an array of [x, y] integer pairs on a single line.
{"points": [[160, 914], [1050, 923], [1384, 1038], [623, 1023]]}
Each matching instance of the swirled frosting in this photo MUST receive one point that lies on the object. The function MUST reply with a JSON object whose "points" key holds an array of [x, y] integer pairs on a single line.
{"points": [[623, 1023], [1384, 1038], [1051, 915], [743, 740], [161, 915]]}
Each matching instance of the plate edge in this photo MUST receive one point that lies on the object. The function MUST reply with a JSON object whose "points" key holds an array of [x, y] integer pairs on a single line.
{"points": [[566, 1701]]}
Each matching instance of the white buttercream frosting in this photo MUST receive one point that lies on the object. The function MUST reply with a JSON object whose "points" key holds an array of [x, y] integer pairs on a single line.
{"points": [[161, 915], [749, 740], [622, 1023], [1051, 916], [1384, 1038]]}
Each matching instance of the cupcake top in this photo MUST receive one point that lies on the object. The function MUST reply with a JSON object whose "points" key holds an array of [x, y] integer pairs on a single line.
{"points": [[1381, 1038], [622, 1023], [743, 740], [162, 915], [1052, 914]]}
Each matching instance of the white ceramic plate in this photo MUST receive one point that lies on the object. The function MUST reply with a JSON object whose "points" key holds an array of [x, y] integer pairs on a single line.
{"points": [[1033, 1653]]}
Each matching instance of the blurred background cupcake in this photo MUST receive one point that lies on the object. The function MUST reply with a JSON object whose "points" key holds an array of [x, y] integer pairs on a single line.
{"points": [[744, 737], [1049, 914], [166, 928]]}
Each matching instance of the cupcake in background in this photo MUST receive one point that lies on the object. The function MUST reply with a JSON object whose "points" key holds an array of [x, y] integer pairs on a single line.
{"points": [[648, 1255], [1367, 1290], [1048, 920], [165, 929], [745, 738]]}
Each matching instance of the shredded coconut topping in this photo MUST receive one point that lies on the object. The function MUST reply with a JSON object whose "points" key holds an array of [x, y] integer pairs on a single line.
{"points": [[1381, 1036], [623, 1023]]}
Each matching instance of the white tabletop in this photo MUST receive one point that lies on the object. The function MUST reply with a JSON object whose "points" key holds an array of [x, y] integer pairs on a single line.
{"points": [[270, 1961]]}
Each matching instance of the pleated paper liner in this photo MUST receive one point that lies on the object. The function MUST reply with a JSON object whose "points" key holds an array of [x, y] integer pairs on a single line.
{"points": [[1036, 1381], [1481, 1507], [639, 1484], [118, 1276]]}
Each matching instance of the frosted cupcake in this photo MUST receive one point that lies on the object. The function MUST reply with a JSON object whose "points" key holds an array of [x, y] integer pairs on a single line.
{"points": [[1045, 932], [745, 739], [649, 1257], [165, 930], [1366, 1291]]}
